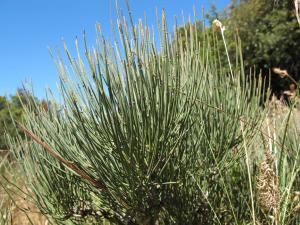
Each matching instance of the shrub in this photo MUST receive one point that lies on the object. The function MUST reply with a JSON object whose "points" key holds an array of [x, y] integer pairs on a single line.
{"points": [[145, 134]]}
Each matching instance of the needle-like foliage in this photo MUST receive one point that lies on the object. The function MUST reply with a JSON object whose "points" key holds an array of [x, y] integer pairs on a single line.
{"points": [[148, 133]]}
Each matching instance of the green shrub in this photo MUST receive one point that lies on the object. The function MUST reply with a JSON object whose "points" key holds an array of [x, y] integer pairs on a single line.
{"points": [[155, 135]]}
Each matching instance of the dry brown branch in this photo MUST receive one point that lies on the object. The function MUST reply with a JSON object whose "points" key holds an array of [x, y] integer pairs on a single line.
{"points": [[70, 165], [284, 73]]}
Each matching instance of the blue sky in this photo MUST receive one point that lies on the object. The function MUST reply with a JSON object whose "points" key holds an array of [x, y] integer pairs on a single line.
{"points": [[29, 27]]}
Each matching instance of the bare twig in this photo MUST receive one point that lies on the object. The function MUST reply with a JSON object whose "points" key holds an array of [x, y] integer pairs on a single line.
{"points": [[69, 164]]}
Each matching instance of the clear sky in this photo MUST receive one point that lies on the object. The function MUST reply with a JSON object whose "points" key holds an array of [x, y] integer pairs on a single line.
{"points": [[29, 27]]}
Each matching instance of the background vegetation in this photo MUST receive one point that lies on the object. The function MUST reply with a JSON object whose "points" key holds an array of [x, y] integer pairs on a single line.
{"points": [[270, 36], [6, 124]]}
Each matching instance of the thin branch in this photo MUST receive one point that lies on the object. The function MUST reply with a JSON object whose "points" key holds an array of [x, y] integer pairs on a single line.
{"points": [[70, 165]]}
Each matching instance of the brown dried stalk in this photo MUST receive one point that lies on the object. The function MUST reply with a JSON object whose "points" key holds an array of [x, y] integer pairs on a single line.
{"points": [[267, 186], [284, 73], [67, 163]]}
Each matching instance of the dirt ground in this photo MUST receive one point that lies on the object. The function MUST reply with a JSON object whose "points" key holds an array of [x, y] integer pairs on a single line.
{"points": [[15, 209]]}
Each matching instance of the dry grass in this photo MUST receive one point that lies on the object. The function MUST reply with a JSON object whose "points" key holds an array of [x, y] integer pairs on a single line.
{"points": [[14, 208], [267, 185], [16, 215]]}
